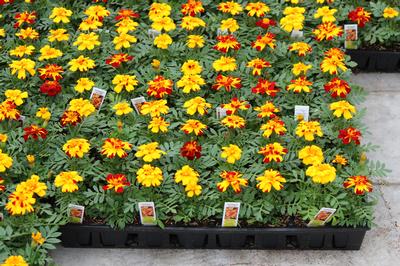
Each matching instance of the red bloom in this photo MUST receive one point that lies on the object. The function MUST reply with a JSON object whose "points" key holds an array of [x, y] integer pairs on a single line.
{"points": [[35, 132], [3, 2], [191, 150], [337, 88], [265, 87], [126, 13], [51, 71], [227, 82], [360, 15], [360, 183], [50, 88], [28, 17], [265, 23], [117, 182], [350, 134], [117, 59], [226, 42]]}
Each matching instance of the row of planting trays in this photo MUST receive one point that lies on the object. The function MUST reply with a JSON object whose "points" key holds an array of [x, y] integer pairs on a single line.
{"points": [[376, 61]]}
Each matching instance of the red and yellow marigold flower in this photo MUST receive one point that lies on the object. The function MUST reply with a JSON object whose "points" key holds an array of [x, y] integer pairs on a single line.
{"points": [[265, 86], [50, 88], [321, 173], [258, 64], [149, 152], [82, 63], [327, 31], [230, 7], [233, 179], [77, 147], [2, 187], [360, 183], [274, 125], [225, 63], [262, 41], [115, 147], [149, 176], [126, 13], [192, 8], [265, 23], [270, 179], [20, 202], [194, 126], [268, 109], [159, 86], [116, 60], [117, 182], [186, 175], [51, 71], [158, 124], [231, 153], [68, 181], [35, 132], [273, 152], [337, 88], [191, 150], [311, 155], [360, 16], [349, 135], [25, 17], [235, 105], [154, 108], [299, 85], [127, 82], [234, 121], [5, 161], [21, 67], [8, 110], [190, 23], [196, 105], [227, 82], [60, 15], [27, 33], [343, 108], [302, 48], [70, 118], [308, 130], [226, 42], [258, 9]]}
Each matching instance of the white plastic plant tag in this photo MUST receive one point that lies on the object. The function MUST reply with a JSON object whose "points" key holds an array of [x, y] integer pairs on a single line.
{"points": [[147, 213], [221, 112], [351, 36], [97, 97], [231, 214], [321, 217], [153, 33], [301, 112], [137, 103], [75, 213]]}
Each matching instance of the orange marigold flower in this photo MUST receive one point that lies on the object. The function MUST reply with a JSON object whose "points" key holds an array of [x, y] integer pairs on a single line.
{"points": [[275, 125], [226, 42], [126, 13], [35, 132], [192, 8], [70, 118], [2, 187], [227, 82], [258, 64], [50, 88], [25, 17], [263, 41], [349, 135], [191, 150], [268, 109], [337, 88], [114, 146], [194, 126], [117, 59], [234, 121], [339, 159], [273, 152], [8, 110], [327, 31], [117, 182], [159, 86], [51, 71], [265, 23], [300, 84], [233, 179], [360, 183], [264, 86], [235, 105], [360, 16]]}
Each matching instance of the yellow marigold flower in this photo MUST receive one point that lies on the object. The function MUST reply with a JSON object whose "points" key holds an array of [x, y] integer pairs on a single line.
{"points": [[163, 23], [230, 7], [231, 153], [193, 189], [68, 181], [234, 121], [343, 108], [158, 124], [155, 63], [332, 65], [154, 108], [125, 25], [60, 14], [114, 146], [97, 12], [293, 19], [37, 238], [162, 41], [30, 158], [84, 84], [126, 82], [22, 66], [43, 113], [308, 130], [58, 35], [258, 64], [149, 176], [87, 41], [191, 67], [124, 40], [327, 31], [149, 152], [186, 175], [28, 33], [302, 48], [194, 41], [257, 9], [321, 173], [270, 178], [2, 32], [268, 109], [122, 108], [90, 24], [20, 202], [16, 96], [326, 14], [22, 50], [390, 12], [159, 10], [233, 179], [190, 23], [3, 138], [32, 186], [82, 63], [195, 126], [190, 83], [82, 106], [274, 125], [339, 159], [77, 147], [229, 24], [47, 52], [5, 161], [311, 155], [300, 68], [300, 84], [196, 105], [15, 261], [225, 63]]}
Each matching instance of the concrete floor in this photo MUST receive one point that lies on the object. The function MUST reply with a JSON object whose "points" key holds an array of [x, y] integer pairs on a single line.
{"points": [[381, 245]]}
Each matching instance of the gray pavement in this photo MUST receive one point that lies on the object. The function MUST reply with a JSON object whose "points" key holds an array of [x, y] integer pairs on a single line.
{"points": [[381, 245]]}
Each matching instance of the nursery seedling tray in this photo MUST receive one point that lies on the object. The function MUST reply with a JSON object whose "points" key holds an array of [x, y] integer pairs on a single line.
{"points": [[375, 61], [102, 236]]}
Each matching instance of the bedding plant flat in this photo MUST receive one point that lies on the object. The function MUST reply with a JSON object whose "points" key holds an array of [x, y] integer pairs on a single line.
{"points": [[220, 81]]}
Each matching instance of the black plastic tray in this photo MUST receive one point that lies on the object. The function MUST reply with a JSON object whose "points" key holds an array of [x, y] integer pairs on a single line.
{"points": [[376, 61], [102, 236]]}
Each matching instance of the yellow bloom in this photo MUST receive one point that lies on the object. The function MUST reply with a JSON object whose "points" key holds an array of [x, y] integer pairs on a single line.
{"points": [[158, 124], [126, 82], [58, 35], [3, 138], [2, 32], [234, 121], [149, 176], [84, 84], [300, 68], [87, 41], [68, 181], [124, 40], [302, 48], [155, 64], [114, 146], [197, 104], [339, 159], [47, 52], [125, 25], [190, 23], [186, 175], [37, 238], [190, 83], [44, 113], [5, 161], [28, 33], [390, 12], [293, 19], [20, 202], [60, 14], [233, 179], [231, 153], [90, 24], [230, 7], [326, 14], [22, 50], [159, 10], [321, 173], [193, 189], [16, 96], [163, 23], [225, 63], [30, 158], [15, 261], [162, 41], [82, 106], [308, 130], [77, 147], [122, 108], [191, 67], [270, 178], [195, 126], [149, 152], [311, 155], [332, 64], [32, 186], [343, 108], [194, 41], [229, 24], [154, 108], [81, 63], [257, 9], [22, 66], [97, 12]]}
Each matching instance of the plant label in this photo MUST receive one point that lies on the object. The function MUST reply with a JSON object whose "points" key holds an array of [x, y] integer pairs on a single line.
{"points": [[221, 112], [97, 97], [153, 33], [1, 216], [147, 213], [137, 103], [222, 32], [351, 36], [231, 214], [297, 34], [301, 112], [75, 213], [321, 217]]}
